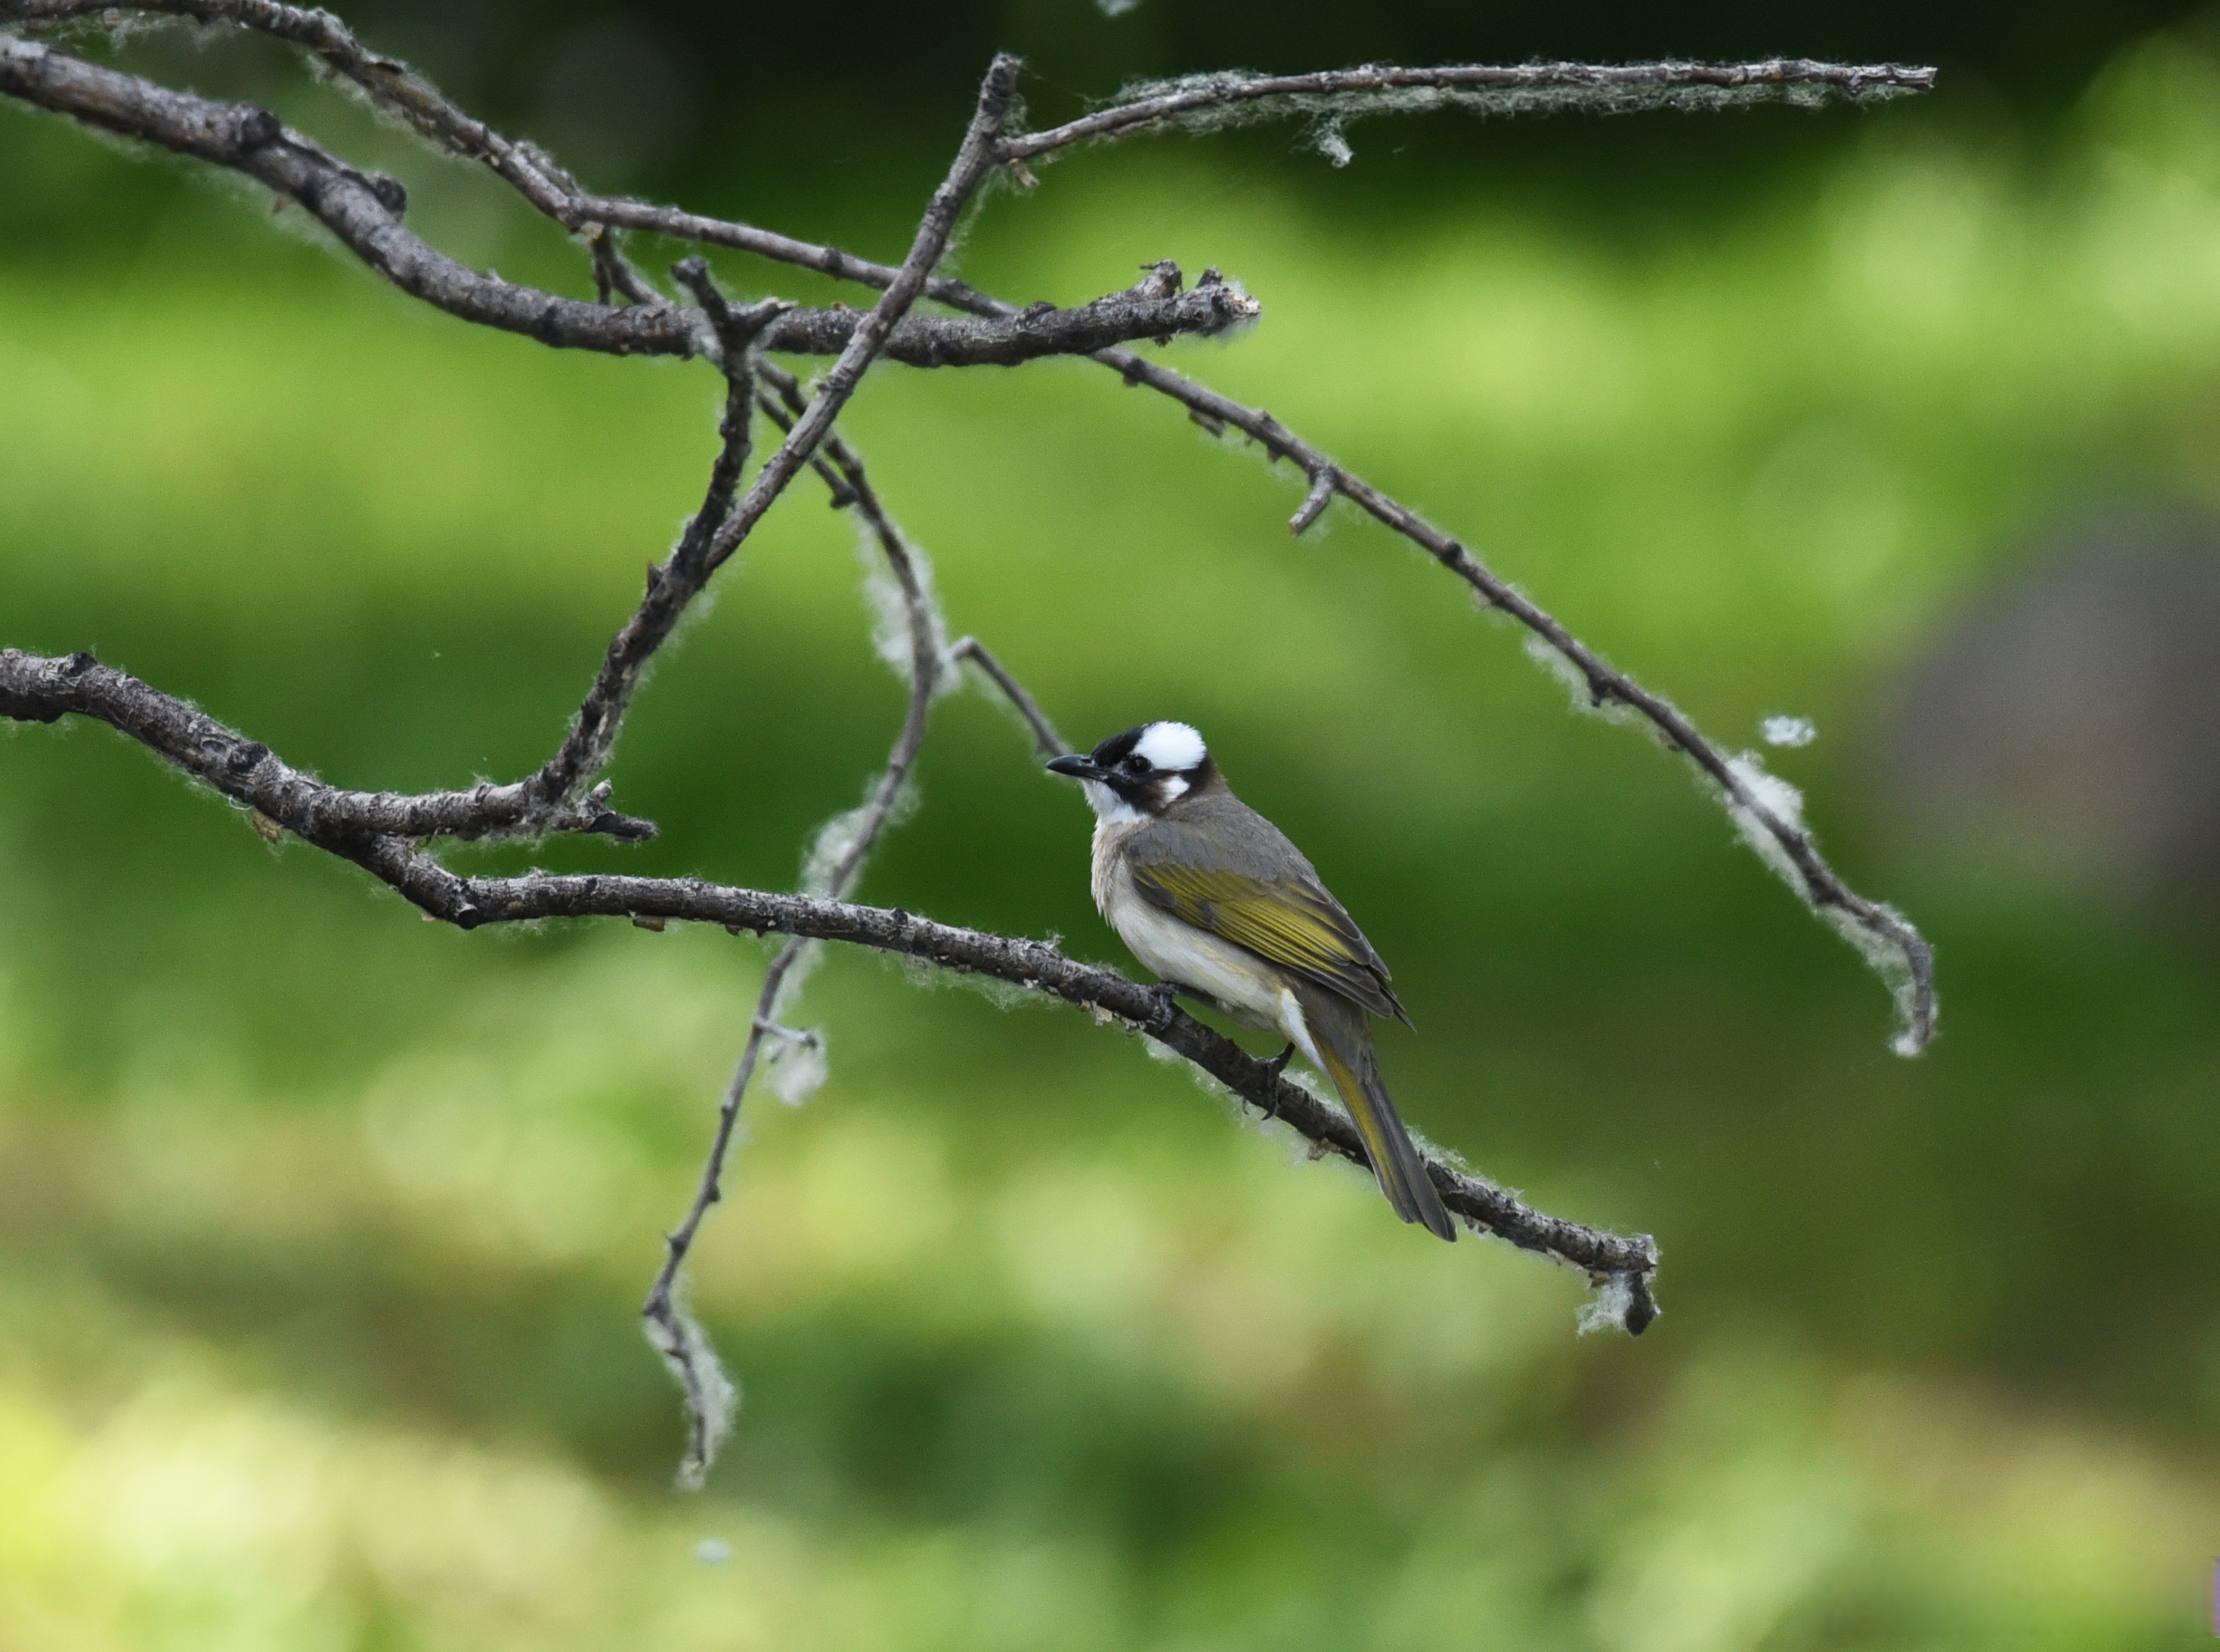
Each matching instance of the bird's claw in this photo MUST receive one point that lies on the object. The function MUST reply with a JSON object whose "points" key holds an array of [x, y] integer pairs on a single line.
{"points": [[1277, 1066], [1167, 997]]}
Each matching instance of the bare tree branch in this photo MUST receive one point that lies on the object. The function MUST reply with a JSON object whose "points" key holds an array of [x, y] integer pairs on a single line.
{"points": [[33, 688], [1524, 89], [973, 161], [365, 212], [1138, 312], [392, 84], [396, 88], [362, 211], [37, 689]]}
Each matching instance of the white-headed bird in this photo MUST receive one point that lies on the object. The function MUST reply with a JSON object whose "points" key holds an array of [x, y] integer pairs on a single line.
{"points": [[1213, 897]]}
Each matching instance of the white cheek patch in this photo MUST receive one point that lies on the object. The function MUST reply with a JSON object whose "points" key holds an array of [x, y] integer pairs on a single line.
{"points": [[1108, 807], [1170, 790], [1171, 746]]}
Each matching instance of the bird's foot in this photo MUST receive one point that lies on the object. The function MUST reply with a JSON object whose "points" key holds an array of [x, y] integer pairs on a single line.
{"points": [[1167, 1000], [1277, 1066]]}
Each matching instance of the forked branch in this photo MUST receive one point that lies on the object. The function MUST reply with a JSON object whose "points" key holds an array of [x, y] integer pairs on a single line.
{"points": [[385, 832], [845, 844], [366, 212], [1763, 809], [41, 688]]}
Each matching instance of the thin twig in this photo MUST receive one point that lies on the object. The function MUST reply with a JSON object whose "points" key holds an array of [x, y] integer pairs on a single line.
{"points": [[685, 1347], [1321, 493], [614, 275], [682, 1342], [1046, 740], [671, 585], [1907, 961], [1526, 88]]}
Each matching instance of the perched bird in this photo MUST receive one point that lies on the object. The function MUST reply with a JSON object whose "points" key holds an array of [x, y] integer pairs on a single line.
{"points": [[1213, 897]]}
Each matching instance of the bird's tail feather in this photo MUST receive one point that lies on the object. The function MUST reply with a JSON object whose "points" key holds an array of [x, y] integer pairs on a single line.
{"points": [[1344, 1044]]}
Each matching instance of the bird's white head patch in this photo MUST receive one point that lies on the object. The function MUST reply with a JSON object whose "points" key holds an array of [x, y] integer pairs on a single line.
{"points": [[1171, 748]]}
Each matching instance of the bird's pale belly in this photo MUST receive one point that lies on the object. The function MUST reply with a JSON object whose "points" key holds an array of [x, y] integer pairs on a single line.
{"points": [[1245, 986]]}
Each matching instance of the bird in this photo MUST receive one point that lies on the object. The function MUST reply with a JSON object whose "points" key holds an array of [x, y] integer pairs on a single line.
{"points": [[1214, 898]]}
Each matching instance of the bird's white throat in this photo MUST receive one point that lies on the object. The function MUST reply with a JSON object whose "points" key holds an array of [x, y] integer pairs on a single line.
{"points": [[1111, 808]]}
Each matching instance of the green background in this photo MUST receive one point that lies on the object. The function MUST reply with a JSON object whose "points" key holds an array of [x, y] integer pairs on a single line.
{"points": [[323, 1229]]}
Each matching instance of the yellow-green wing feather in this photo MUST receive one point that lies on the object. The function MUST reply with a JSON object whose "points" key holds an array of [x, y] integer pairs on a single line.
{"points": [[1293, 923]]}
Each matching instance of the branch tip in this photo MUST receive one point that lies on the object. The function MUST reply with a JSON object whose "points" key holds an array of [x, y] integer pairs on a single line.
{"points": [[1323, 485]]}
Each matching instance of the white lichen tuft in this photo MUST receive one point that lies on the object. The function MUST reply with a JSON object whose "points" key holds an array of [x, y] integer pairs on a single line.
{"points": [[1608, 1308], [837, 849], [796, 1066], [712, 1400], [1788, 731], [1567, 671], [1330, 141], [925, 976], [1777, 802], [890, 611], [1887, 959]]}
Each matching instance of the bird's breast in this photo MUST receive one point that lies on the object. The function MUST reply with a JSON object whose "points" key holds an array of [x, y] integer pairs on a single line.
{"points": [[1247, 988], [1109, 867]]}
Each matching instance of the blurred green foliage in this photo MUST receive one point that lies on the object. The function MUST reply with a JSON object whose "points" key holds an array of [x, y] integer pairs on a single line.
{"points": [[323, 1229]]}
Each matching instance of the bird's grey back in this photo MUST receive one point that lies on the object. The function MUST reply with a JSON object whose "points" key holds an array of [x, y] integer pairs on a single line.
{"points": [[1215, 830]]}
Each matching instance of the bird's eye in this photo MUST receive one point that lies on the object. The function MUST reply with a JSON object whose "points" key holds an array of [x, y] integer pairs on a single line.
{"points": [[1137, 764]]}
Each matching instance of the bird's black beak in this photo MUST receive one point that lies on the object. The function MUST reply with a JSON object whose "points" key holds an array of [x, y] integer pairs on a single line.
{"points": [[1075, 764]]}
